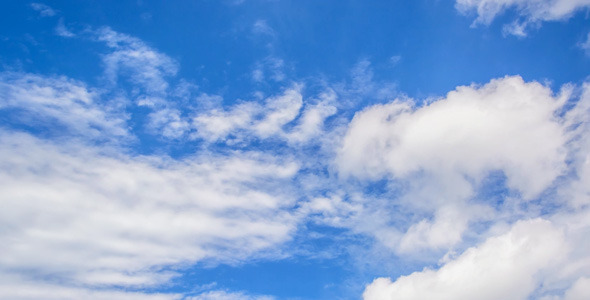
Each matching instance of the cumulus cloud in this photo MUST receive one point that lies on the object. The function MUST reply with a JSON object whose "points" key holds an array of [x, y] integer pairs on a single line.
{"points": [[463, 134], [538, 258], [531, 12], [504, 267], [442, 152]]}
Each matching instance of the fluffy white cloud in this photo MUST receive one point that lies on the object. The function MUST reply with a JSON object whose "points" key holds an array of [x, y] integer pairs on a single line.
{"points": [[535, 258], [465, 133], [441, 153], [88, 216], [531, 11], [504, 267]]}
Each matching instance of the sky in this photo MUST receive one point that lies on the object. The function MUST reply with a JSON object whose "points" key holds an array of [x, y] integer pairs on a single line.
{"points": [[271, 149]]}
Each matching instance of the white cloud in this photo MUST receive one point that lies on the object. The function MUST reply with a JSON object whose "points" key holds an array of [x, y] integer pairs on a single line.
{"points": [[92, 217], [439, 154], [579, 291], [586, 44], [531, 11], [503, 267], [18, 288], [145, 67], [251, 119], [312, 119], [271, 67], [262, 27], [278, 112], [62, 30], [43, 9], [530, 259], [463, 135], [149, 72], [577, 191], [224, 295], [44, 102], [168, 122]]}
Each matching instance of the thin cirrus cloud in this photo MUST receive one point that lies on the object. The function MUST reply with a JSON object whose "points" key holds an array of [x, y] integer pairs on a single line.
{"points": [[43, 9], [52, 102], [531, 12]]}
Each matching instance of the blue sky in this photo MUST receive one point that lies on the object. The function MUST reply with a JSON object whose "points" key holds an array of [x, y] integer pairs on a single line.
{"points": [[269, 149]]}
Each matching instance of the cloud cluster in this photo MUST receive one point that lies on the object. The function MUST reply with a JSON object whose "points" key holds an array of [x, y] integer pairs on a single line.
{"points": [[446, 149]]}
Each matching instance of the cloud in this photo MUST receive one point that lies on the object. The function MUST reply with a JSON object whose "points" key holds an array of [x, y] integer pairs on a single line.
{"points": [[47, 102], [18, 288], [262, 27], [531, 254], [43, 9], [576, 192], [87, 216], [271, 67], [440, 157], [251, 119], [144, 66], [586, 44], [463, 135], [531, 12], [579, 291], [362, 85], [149, 72], [168, 122], [62, 30], [503, 267], [225, 295]]}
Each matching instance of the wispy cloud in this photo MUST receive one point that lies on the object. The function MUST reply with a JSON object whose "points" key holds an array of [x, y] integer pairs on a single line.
{"points": [[62, 30], [53, 102], [97, 217], [531, 12], [43, 9], [262, 27]]}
